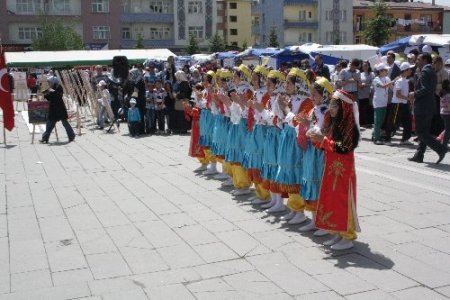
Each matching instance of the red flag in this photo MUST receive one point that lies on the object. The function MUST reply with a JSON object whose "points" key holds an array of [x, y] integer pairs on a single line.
{"points": [[6, 103]]}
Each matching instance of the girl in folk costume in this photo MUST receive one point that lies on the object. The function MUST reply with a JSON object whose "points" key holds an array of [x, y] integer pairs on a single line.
{"points": [[316, 120], [221, 123], [206, 122], [270, 150], [253, 152], [237, 134], [193, 113], [290, 154], [336, 210]]}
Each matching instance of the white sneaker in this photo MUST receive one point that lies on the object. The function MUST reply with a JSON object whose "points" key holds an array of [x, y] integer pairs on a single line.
{"points": [[221, 176], [201, 168], [269, 204], [258, 201], [240, 192], [228, 182], [308, 227], [211, 171], [343, 244], [297, 219], [321, 232], [288, 216], [278, 207], [336, 239]]}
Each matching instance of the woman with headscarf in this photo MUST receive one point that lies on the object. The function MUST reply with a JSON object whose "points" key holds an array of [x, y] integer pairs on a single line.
{"points": [[177, 119]]}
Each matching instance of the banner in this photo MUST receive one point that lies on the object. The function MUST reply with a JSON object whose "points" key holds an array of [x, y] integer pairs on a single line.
{"points": [[6, 102]]}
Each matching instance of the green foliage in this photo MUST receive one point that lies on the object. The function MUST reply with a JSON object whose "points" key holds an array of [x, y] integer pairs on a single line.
{"points": [[244, 45], [378, 29], [216, 43], [193, 47], [139, 42], [273, 38], [57, 36]]}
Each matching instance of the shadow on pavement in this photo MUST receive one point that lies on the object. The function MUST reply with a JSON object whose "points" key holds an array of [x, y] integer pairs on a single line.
{"points": [[361, 256]]}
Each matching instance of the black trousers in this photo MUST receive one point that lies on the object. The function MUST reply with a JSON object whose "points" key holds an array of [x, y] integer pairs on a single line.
{"points": [[423, 125], [134, 128]]}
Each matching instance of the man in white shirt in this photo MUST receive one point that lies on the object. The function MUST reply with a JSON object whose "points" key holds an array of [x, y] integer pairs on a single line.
{"points": [[400, 111]]}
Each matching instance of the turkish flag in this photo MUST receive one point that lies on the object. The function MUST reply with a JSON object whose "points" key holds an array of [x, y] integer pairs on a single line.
{"points": [[6, 102]]}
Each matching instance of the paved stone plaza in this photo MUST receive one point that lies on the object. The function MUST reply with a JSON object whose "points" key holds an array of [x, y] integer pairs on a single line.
{"points": [[113, 217]]}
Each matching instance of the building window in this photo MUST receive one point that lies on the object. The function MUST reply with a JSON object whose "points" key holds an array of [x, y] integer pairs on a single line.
{"points": [[101, 32], [359, 23], [234, 44], [233, 19], [196, 31], [27, 6], [195, 7], [160, 33], [126, 33], [309, 37], [328, 15], [302, 15], [233, 32], [100, 6], [61, 6], [233, 5], [29, 33], [160, 7], [357, 40], [343, 15], [309, 15]]}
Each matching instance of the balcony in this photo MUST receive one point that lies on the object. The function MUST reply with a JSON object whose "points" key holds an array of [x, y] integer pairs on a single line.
{"points": [[256, 9], [146, 18], [301, 24], [256, 29], [416, 29], [130, 44], [300, 2]]}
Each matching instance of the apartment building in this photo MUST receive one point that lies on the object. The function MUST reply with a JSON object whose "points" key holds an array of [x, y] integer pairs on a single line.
{"points": [[234, 22], [303, 21], [112, 23], [409, 18]]}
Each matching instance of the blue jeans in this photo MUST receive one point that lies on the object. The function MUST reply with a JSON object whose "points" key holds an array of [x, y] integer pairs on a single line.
{"points": [[150, 120], [51, 124]]}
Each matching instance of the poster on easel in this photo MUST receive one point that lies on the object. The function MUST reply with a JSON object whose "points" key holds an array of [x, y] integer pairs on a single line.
{"points": [[38, 112]]}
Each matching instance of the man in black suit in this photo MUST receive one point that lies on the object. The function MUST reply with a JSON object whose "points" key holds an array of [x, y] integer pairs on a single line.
{"points": [[320, 68], [424, 109]]}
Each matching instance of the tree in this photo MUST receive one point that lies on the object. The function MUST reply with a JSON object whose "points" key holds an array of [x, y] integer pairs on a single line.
{"points": [[216, 43], [139, 42], [56, 36], [193, 47], [378, 28], [244, 45], [273, 38]]}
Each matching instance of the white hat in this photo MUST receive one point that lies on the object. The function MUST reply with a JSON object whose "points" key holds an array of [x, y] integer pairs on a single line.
{"points": [[405, 66], [381, 66], [101, 83], [132, 100], [447, 62], [427, 49], [411, 55]]}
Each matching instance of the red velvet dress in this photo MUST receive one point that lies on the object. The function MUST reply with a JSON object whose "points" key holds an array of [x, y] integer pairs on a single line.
{"points": [[336, 209], [195, 150]]}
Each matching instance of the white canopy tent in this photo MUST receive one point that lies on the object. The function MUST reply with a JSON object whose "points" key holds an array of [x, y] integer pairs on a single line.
{"points": [[82, 57], [347, 52]]}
